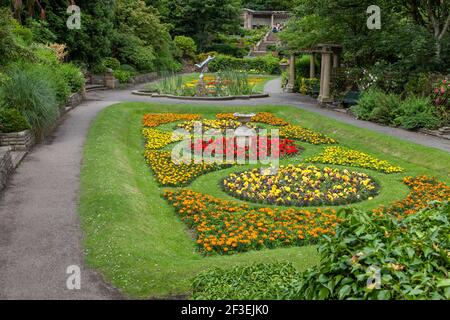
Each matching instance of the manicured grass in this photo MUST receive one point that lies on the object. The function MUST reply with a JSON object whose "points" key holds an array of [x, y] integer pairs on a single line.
{"points": [[134, 238]]}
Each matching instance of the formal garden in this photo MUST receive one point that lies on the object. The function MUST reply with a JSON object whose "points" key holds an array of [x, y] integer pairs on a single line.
{"points": [[346, 212]]}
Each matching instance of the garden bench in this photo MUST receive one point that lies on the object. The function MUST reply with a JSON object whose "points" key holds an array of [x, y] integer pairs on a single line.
{"points": [[351, 98]]}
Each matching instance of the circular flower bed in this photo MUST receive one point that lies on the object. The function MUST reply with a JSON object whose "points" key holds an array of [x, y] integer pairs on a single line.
{"points": [[301, 185]]}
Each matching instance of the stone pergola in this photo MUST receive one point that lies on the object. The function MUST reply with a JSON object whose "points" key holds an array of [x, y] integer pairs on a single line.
{"points": [[256, 18], [329, 59]]}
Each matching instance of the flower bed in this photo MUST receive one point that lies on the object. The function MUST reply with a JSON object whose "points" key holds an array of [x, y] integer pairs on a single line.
{"points": [[226, 227], [157, 119], [229, 146], [344, 156], [208, 124], [177, 175], [262, 117], [301, 185], [157, 139], [424, 190], [303, 134]]}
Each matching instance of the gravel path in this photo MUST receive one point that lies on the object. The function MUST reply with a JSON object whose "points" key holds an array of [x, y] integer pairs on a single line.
{"points": [[40, 234]]}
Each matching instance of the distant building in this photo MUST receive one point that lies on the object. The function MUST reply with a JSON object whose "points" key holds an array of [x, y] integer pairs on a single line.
{"points": [[254, 18]]}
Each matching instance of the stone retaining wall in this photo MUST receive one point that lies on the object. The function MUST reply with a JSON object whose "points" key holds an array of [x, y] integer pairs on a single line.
{"points": [[18, 141], [6, 166]]}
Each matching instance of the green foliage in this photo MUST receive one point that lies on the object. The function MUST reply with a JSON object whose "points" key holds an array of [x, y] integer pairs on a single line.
{"points": [[123, 76], [33, 95], [12, 47], [72, 75], [268, 4], [111, 63], [204, 20], [142, 33], [418, 112], [375, 105], [265, 64], [412, 113], [410, 254], [41, 32], [186, 46], [132, 50], [256, 282], [12, 121]]}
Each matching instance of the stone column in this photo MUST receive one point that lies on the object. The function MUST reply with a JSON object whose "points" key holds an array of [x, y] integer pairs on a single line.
{"points": [[312, 65], [250, 21], [272, 24], [290, 85], [109, 80], [325, 76], [336, 60]]}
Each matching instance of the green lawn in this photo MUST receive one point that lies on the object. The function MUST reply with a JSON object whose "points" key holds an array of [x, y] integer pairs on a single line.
{"points": [[134, 238]]}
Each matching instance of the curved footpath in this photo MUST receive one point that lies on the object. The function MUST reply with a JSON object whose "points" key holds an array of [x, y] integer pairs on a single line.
{"points": [[40, 233]]}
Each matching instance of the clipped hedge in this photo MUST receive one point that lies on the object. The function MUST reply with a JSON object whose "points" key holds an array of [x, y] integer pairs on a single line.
{"points": [[267, 64]]}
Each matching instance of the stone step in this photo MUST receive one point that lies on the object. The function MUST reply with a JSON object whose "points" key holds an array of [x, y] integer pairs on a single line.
{"points": [[17, 157], [95, 87]]}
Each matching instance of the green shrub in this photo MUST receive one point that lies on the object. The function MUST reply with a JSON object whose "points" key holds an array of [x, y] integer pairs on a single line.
{"points": [[127, 67], [416, 112], [186, 46], [72, 75], [111, 63], [228, 49], [302, 66], [132, 50], [12, 121], [375, 105], [256, 282], [55, 77], [264, 64], [410, 256], [32, 94], [123, 76]]}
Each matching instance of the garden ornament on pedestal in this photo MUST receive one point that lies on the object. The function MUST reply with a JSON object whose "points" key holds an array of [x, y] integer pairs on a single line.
{"points": [[243, 133], [202, 67]]}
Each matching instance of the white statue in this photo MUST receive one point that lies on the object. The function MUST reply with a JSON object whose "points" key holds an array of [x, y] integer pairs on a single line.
{"points": [[203, 67]]}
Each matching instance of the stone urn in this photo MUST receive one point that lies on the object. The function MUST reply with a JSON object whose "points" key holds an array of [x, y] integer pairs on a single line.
{"points": [[244, 130]]}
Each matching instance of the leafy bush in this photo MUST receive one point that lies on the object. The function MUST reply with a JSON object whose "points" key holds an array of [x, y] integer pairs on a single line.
{"points": [[186, 46], [12, 121], [55, 78], [256, 282], [371, 257], [383, 258], [127, 67], [417, 113], [72, 75], [264, 64], [375, 105], [123, 76], [302, 66], [32, 94], [132, 50], [228, 49], [111, 63]]}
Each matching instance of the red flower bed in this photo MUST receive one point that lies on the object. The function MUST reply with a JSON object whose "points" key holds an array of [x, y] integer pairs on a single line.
{"points": [[286, 147]]}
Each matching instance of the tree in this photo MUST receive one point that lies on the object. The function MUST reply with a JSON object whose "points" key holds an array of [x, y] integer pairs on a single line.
{"points": [[203, 20]]}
